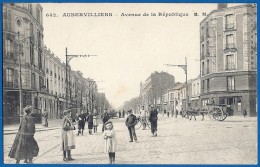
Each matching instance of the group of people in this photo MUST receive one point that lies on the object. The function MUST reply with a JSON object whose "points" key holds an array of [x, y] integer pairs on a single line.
{"points": [[91, 119], [25, 146]]}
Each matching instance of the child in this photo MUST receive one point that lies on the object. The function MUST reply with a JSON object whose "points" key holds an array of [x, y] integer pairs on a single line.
{"points": [[110, 141]]}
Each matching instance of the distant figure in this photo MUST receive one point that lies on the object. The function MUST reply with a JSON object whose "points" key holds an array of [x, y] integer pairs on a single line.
{"points": [[119, 114], [45, 118], [81, 122], [104, 118], [95, 121], [143, 113], [110, 141], [123, 114], [90, 123], [130, 122], [67, 142], [168, 113], [244, 113], [153, 117], [25, 146]]}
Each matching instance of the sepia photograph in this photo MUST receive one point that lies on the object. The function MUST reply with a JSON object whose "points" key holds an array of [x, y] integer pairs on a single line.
{"points": [[129, 83]]}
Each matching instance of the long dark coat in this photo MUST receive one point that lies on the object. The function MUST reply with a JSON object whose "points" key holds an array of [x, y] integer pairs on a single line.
{"points": [[25, 146]]}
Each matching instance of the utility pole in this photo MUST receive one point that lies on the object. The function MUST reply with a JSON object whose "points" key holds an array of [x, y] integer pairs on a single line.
{"points": [[20, 77], [184, 67], [68, 58]]}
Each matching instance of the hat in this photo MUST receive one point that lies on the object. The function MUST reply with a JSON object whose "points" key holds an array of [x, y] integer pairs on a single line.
{"points": [[108, 122], [66, 111], [27, 109], [129, 110]]}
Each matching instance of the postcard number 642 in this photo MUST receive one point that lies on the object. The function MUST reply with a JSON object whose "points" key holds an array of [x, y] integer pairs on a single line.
{"points": [[51, 15]]}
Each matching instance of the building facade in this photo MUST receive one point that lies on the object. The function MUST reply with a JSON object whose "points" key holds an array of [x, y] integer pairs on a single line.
{"points": [[54, 100], [22, 58], [153, 87], [229, 58]]}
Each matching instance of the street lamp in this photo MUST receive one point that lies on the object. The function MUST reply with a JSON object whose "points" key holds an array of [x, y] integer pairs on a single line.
{"points": [[184, 67], [19, 52], [68, 58]]}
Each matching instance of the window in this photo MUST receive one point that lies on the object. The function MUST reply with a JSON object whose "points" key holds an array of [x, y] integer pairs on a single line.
{"points": [[40, 58], [32, 53], [202, 68], [202, 51], [41, 82], [33, 81], [230, 21], [7, 47], [30, 8], [9, 77], [208, 66], [7, 21], [230, 62], [230, 41], [38, 15], [203, 85], [207, 85], [231, 83]]}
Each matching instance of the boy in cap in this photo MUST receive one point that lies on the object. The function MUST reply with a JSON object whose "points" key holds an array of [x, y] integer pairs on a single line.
{"points": [[130, 122]]}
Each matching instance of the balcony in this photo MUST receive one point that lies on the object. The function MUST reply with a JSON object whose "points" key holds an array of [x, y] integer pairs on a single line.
{"points": [[230, 26], [10, 84], [231, 67], [230, 47]]}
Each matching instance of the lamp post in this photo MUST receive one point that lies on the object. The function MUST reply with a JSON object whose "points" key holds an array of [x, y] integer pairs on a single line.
{"points": [[184, 67], [68, 58], [20, 72]]}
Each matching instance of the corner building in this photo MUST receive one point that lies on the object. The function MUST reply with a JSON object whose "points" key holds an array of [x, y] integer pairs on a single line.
{"points": [[228, 58]]}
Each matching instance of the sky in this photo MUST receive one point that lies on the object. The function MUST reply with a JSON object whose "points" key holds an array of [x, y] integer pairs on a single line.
{"points": [[127, 48]]}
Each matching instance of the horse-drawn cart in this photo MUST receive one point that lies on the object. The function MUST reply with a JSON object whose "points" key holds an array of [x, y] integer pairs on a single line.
{"points": [[218, 112]]}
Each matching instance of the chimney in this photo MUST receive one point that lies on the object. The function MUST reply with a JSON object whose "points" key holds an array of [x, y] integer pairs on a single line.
{"points": [[222, 5]]}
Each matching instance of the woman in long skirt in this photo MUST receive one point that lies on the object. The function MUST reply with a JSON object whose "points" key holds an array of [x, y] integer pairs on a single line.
{"points": [[25, 146]]}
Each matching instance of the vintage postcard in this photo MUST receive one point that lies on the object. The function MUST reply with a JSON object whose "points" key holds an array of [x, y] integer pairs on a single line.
{"points": [[129, 83]]}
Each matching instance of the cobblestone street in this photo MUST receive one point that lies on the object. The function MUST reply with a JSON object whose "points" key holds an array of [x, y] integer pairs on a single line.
{"points": [[179, 141]]}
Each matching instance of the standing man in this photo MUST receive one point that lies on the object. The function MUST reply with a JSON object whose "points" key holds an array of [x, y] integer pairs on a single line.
{"points": [[153, 117], [81, 123], [143, 113], [130, 122], [105, 118]]}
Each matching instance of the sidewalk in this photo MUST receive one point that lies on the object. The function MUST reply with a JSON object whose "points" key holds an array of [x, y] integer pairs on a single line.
{"points": [[53, 124]]}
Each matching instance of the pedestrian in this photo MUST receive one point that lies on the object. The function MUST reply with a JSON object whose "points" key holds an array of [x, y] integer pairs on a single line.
{"points": [[81, 118], [25, 146], [90, 123], [123, 114], [168, 114], [67, 139], [110, 141], [119, 114], [95, 121], [130, 122], [153, 117], [143, 113], [244, 113], [105, 118], [45, 118]]}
